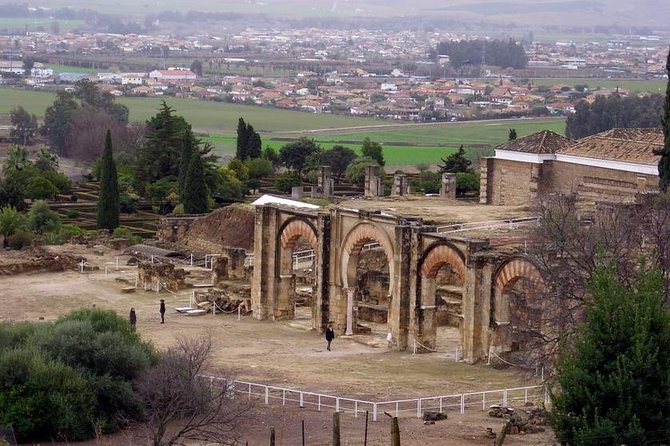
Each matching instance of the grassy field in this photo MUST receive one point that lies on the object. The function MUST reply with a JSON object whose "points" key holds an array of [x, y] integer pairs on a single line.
{"points": [[652, 86], [69, 69], [411, 145], [403, 144], [11, 23]]}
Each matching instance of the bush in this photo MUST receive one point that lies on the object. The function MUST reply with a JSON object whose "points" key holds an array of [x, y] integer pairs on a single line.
{"points": [[466, 182], [71, 213], [42, 219], [427, 183], [44, 399], [20, 239], [258, 168], [63, 235], [286, 181], [59, 180], [125, 233], [40, 188]]}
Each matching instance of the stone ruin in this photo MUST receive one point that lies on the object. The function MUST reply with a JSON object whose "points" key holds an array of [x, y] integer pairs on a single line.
{"points": [[448, 188], [374, 187], [161, 276], [400, 185], [529, 421]]}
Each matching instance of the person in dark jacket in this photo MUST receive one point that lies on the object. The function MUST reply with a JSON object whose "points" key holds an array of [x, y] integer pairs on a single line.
{"points": [[132, 318], [162, 310], [330, 335]]}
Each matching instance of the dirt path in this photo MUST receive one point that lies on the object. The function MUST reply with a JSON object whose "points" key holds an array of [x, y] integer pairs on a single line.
{"points": [[281, 353]]}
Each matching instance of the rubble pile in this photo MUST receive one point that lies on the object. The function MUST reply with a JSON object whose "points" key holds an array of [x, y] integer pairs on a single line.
{"points": [[161, 276], [223, 301], [520, 421]]}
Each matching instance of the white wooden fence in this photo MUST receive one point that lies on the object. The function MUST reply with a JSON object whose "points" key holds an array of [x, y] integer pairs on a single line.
{"points": [[409, 407]]}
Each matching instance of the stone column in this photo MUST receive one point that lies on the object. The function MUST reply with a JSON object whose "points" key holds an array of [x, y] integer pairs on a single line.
{"points": [[321, 304], [400, 185], [476, 309], [483, 180], [325, 182], [350, 312], [448, 189], [404, 284], [373, 183], [264, 277]]}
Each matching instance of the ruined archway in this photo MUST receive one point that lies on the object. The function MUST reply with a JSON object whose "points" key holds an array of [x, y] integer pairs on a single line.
{"points": [[440, 306], [517, 306], [366, 240], [297, 264]]}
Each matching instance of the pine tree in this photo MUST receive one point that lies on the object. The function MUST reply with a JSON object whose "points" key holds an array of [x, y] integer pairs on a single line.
{"points": [[614, 382], [456, 162], [108, 200], [242, 140], [185, 162], [195, 188], [664, 162]]}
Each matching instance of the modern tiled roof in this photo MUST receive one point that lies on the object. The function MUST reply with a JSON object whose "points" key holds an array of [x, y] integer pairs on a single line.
{"points": [[545, 141], [626, 145]]}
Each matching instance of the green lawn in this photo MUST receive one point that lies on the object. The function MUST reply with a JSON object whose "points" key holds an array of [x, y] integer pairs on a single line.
{"points": [[652, 86], [70, 69]]}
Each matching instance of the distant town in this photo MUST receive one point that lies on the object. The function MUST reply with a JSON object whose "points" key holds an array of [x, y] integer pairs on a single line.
{"points": [[391, 75]]}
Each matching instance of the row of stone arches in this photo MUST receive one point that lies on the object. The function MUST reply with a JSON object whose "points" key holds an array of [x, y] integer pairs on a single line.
{"points": [[440, 289]]}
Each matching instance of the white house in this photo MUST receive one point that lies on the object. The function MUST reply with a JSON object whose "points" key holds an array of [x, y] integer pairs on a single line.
{"points": [[172, 75]]}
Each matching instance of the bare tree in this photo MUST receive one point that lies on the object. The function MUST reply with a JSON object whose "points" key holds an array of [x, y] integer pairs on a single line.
{"points": [[181, 404], [566, 248]]}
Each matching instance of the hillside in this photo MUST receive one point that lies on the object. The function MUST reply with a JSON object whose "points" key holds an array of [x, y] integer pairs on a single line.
{"points": [[564, 13]]}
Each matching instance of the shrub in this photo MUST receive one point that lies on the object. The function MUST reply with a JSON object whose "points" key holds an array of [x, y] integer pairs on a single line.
{"points": [[285, 181], [125, 233], [58, 179], [467, 182], [63, 235], [20, 239], [40, 188], [71, 213], [41, 218], [43, 399]]}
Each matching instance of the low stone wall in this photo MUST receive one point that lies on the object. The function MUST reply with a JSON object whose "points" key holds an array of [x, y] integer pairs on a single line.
{"points": [[160, 276]]}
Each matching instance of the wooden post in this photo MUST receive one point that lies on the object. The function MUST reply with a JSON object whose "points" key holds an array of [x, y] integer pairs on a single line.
{"points": [[303, 432], [395, 432], [272, 436], [365, 438], [336, 429]]}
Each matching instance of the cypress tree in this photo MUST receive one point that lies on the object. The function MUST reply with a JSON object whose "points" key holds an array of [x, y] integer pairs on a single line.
{"points": [[195, 189], [108, 200], [254, 143], [664, 162], [185, 162], [242, 140]]}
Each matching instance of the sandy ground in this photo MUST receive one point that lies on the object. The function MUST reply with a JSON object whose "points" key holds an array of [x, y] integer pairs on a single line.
{"points": [[285, 353], [439, 210]]}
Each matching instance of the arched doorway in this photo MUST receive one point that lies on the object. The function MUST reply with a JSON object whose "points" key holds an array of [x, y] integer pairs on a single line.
{"points": [[440, 307], [518, 307], [297, 269], [367, 277]]}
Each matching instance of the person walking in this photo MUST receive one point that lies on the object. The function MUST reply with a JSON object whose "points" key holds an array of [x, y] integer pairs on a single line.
{"points": [[132, 318], [330, 335], [162, 310]]}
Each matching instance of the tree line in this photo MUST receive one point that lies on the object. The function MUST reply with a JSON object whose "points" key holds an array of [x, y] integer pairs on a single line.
{"points": [[496, 52], [614, 111]]}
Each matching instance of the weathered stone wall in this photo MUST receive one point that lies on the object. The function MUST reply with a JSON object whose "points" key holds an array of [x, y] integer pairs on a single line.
{"points": [[505, 182], [508, 182], [595, 183], [160, 276]]}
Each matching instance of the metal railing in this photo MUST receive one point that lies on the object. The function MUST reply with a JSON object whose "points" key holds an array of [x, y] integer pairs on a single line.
{"points": [[492, 224], [307, 256], [268, 394]]}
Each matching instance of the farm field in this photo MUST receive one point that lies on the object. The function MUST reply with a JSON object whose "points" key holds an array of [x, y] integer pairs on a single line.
{"points": [[69, 69], [410, 144], [651, 86], [37, 24]]}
